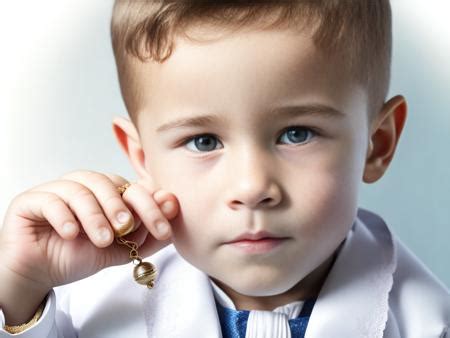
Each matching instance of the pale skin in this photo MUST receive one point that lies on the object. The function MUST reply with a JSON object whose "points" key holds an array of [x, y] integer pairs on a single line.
{"points": [[254, 178]]}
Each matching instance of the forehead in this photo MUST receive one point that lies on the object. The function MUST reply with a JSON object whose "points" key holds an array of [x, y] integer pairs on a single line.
{"points": [[243, 71]]}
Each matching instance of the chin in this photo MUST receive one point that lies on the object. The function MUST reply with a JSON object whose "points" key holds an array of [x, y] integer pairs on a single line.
{"points": [[262, 287]]}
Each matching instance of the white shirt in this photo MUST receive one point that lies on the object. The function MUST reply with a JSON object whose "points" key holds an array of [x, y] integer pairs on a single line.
{"points": [[264, 324]]}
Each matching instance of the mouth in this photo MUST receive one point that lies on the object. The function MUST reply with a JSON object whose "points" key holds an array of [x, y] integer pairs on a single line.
{"points": [[257, 243]]}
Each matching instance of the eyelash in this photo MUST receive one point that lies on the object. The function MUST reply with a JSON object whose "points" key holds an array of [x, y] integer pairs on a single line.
{"points": [[313, 132]]}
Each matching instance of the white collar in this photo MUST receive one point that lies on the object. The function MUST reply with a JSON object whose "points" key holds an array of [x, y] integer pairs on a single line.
{"points": [[263, 324], [291, 310]]}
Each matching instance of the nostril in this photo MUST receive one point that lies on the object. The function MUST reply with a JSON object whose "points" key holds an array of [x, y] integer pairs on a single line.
{"points": [[267, 200]]}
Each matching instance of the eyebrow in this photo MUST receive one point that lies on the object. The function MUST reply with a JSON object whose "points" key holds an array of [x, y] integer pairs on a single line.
{"points": [[278, 112]]}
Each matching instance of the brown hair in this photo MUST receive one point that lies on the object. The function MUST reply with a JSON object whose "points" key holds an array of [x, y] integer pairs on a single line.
{"points": [[359, 31]]}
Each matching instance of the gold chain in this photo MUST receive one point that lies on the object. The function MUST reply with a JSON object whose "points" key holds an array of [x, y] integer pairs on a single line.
{"points": [[144, 272], [134, 255]]}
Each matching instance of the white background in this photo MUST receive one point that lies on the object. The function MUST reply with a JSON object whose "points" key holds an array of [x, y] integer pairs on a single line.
{"points": [[59, 91]]}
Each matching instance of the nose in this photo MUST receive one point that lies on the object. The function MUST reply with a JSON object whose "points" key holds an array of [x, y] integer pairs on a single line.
{"points": [[253, 182]]}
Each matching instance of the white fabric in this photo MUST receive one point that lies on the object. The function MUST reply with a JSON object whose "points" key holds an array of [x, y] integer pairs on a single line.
{"points": [[376, 288], [264, 324]]}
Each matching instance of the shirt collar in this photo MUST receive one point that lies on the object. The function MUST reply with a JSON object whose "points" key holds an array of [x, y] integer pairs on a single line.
{"points": [[291, 310]]}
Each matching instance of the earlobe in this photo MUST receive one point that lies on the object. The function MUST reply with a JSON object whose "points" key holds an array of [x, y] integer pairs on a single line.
{"points": [[129, 140], [385, 134]]}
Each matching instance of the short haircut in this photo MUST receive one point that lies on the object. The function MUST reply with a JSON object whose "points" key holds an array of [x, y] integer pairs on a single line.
{"points": [[359, 31]]}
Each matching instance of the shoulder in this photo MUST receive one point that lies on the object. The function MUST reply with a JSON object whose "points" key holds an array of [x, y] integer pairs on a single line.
{"points": [[419, 304], [412, 275], [418, 300]]}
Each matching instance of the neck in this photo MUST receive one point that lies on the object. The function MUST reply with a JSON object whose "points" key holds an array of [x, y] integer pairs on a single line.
{"points": [[309, 287]]}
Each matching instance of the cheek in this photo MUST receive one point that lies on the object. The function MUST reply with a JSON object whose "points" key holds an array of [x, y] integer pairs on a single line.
{"points": [[189, 235], [327, 193]]}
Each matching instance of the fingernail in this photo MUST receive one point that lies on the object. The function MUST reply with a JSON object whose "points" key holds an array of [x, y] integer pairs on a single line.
{"points": [[167, 207], [103, 235], [162, 228], [69, 228], [123, 217]]}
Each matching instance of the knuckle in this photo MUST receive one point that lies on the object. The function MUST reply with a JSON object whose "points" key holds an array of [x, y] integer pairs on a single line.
{"points": [[25, 195], [52, 199], [20, 204], [19, 198], [115, 177], [97, 176], [97, 219], [153, 214], [82, 193], [79, 174], [73, 187], [146, 186], [101, 182], [113, 200]]}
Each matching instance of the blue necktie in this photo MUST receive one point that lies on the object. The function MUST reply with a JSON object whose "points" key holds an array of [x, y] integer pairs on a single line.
{"points": [[234, 323]]}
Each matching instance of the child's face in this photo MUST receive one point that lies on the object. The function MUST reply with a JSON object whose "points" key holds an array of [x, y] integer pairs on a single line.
{"points": [[292, 173]]}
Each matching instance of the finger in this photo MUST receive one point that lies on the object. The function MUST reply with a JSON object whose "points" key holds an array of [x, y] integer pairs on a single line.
{"points": [[118, 180], [147, 210], [167, 202], [85, 207], [39, 206], [107, 195]]}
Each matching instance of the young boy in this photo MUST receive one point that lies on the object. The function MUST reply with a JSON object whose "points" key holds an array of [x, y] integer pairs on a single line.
{"points": [[265, 239]]}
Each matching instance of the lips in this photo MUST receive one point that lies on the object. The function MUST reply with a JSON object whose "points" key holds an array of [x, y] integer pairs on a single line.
{"points": [[254, 236], [256, 243]]}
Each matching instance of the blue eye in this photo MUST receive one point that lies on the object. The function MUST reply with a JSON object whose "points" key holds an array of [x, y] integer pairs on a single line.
{"points": [[208, 142], [297, 135], [202, 143]]}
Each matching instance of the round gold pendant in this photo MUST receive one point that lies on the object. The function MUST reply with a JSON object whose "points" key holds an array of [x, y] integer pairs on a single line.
{"points": [[145, 274]]}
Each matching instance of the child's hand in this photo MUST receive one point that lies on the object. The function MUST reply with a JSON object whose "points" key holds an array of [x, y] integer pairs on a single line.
{"points": [[38, 244]]}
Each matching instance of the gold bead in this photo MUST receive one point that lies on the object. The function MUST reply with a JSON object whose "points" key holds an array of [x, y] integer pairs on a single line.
{"points": [[125, 229], [145, 274]]}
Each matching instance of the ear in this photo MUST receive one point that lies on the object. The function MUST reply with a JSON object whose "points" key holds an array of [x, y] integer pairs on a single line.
{"points": [[129, 140], [385, 133]]}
